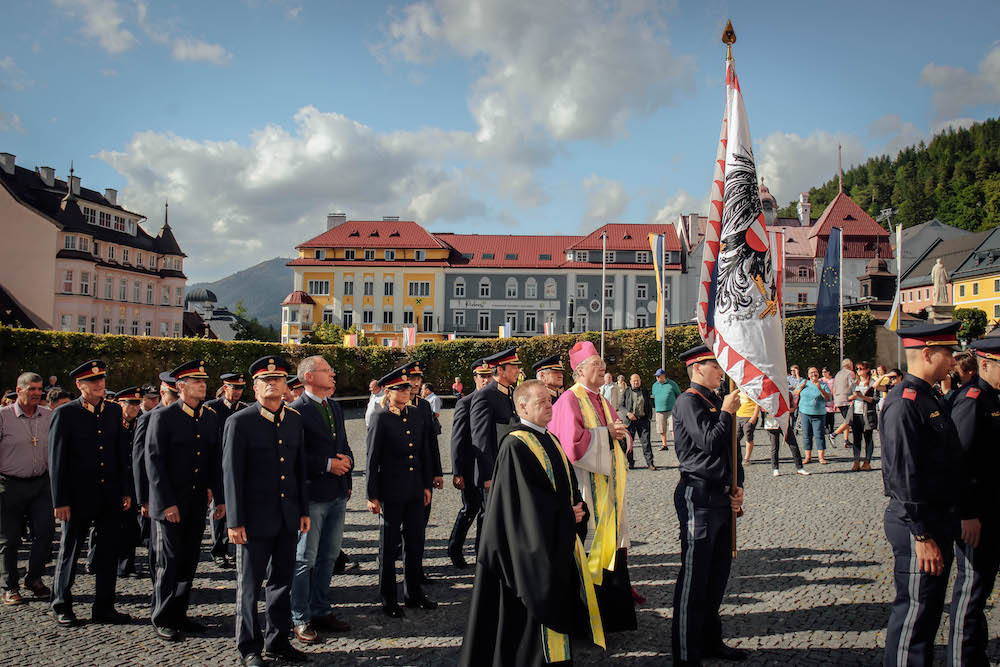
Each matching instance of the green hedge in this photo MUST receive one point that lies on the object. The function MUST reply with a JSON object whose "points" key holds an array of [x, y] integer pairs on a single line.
{"points": [[138, 360]]}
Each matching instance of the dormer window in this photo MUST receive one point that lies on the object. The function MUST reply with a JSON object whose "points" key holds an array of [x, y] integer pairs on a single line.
{"points": [[355, 233], [582, 256], [349, 254], [70, 242], [369, 255], [320, 254], [420, 255], [394, 233]]}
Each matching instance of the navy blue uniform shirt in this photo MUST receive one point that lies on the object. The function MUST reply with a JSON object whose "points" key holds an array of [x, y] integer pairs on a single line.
{"points": [[703, 437], [975, 410]]}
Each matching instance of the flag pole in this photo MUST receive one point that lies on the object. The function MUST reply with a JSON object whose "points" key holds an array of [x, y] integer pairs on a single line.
{"points": [[604, 271], [899, 288], [728, 38], [784, 262], [840, 273], [663, 301]]}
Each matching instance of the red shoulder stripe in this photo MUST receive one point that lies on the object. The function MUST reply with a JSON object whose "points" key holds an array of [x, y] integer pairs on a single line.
{"points": [[974, 392], [910, 394]]}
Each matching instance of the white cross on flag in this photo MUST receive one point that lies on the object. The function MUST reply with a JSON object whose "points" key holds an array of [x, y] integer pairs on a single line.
{"points": [[738, 314]]}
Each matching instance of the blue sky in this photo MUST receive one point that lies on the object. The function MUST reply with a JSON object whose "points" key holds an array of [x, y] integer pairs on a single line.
{"points": [[256, 118]]}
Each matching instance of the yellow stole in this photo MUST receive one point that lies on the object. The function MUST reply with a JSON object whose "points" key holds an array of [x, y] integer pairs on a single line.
{"points": [[555, 645], [607, 493]]}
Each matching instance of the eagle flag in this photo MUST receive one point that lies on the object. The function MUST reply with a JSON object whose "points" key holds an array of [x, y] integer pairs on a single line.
{"points": [[738, 315]]}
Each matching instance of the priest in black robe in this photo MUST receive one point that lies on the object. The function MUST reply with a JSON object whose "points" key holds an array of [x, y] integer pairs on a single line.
{"points": [[533, 591]]}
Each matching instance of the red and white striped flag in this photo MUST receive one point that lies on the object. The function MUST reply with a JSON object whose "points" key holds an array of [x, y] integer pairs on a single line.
{"points": [[452, 336], [738, 315], [548, 328], [776, 239], [409, 336]]}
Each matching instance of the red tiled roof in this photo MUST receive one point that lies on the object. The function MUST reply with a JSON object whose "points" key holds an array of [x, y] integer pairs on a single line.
{"points": [[298, 297], [619, 265], [626, 236], [797, 242], [347, 263], [526, 249], [844, 213], [374, 234]]}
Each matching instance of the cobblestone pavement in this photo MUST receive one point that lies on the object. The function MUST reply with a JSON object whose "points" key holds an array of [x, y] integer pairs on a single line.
{"points": [[811, 584]]}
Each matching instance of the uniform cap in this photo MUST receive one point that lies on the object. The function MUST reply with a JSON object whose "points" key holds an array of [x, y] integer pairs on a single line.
{"points": [[696, 355], [553, 363], [167, 380], [413, 368], [132, 395], [987, 348], [269, 367], [395, 379], [92, 370], [235, 379], [293, 382], [508, 356], [480, 367], [191, 370], [930, 335]]}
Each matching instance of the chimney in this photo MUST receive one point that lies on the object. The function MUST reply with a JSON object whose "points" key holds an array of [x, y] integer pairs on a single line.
{"points": [[48, 175], [805, 210], [111, 195], [7, 163], [334, 219], [390, 218], [75, 181]]}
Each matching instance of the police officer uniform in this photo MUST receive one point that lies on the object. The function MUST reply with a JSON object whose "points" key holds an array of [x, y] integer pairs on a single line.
{"points": [[224, 409], [131, 527], [420, 403], [399, 470], [462, 465], [264, 473], [922, 475], [553, 363], [183, 465], [87, 460], [491, 416], [703, 440], [140, 478], [975, 411]]}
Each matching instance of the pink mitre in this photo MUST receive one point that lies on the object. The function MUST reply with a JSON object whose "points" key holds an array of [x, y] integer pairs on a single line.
{"points": [[580, 352]]}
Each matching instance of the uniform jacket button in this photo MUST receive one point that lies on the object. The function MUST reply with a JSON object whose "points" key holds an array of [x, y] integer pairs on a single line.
{"points": [[411, 469]]}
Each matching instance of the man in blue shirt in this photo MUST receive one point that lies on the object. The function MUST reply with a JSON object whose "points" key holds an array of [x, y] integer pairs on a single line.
{"points": [[665, 391]]}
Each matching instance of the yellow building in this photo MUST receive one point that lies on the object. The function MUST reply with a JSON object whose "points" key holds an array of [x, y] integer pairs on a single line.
{"points": [[380, 275], [976, 281]]}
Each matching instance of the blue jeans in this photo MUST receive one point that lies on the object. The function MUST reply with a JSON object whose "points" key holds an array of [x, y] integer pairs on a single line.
{"points": [[813, 432], [315, 556]]}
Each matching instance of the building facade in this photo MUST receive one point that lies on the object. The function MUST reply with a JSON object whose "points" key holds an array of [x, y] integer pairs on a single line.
{"points": [[75, 260], [976, 282]]}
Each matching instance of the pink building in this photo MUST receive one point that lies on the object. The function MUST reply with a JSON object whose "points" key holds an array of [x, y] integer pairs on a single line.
{"points": [[74, 260]]}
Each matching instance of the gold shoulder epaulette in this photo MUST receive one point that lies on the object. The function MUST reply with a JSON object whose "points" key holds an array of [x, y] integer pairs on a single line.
{"points": [[290, 408], [209, 408]]}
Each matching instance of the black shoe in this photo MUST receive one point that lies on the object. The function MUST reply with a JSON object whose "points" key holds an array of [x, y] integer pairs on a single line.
{"points": [[287, 652], [253, 660], [393, 610], [167, 634], [422, 603], [456, 558], [112, 616], [427, 581], [724, 652], [66, 619], [220, 561], [192, 627]]}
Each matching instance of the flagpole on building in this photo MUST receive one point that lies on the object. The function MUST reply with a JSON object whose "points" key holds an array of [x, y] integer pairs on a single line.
{"points": [[784, 262], [663, 301], [604, 270], [840, 273]]}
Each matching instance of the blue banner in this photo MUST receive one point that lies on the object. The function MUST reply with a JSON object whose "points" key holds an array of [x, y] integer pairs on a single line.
{"points": [[828, 303]]}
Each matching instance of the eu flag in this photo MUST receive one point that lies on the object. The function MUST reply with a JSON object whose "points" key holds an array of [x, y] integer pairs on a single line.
{"points": [[828, 304]]}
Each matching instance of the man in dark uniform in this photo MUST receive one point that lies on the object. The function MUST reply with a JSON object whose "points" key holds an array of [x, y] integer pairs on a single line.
{"points": [[264, 473], [87, 460], [462, 458], [491, 413], [140, 478], [550, 371], [416, 375], [129, 399], [224, 407], [183, 466], [399, 476], [923, 473], [975, 410], [705, 503]]}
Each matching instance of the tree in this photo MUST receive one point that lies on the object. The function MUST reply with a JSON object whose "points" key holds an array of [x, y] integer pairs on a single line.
{"points": [[333, 334], [250, 327], [973, 323]]}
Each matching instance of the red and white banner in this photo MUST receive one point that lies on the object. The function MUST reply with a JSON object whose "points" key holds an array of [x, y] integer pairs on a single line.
{"points": [[548, 328], [738, 315], [409, 336], [776, 239]]}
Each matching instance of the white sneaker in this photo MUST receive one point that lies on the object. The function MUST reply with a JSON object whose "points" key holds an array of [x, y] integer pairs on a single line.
{"points": [[803, 471], [775, 472]]}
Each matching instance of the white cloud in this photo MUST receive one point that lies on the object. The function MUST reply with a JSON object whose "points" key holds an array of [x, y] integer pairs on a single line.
{"points": [[899, 133], [109, 73], [682, 202], [261, 196], [956, 88], [10, 122], [606, 201], [101, 20], [954, 123], [293, 12], [13, 77], [792, 164], [195, 50]]}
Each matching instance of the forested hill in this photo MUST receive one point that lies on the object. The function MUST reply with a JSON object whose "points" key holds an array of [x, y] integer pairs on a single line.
{"points": [[955, 178]]}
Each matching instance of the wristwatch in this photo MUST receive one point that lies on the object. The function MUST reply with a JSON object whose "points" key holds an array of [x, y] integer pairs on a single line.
{"points": [[922, 538]]}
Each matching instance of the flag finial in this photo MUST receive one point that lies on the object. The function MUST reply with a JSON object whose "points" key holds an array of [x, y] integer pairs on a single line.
{"points": [[728, 37]]}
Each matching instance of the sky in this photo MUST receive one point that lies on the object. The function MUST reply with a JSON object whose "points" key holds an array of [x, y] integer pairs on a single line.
{"points": [[256, 118]]}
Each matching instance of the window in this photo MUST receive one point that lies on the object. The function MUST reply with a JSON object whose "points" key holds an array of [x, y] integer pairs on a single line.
{"points": [[148, 331], [609, 290], [511, 288], [510, 256], [581, 256], [386, 317], [488, 255], [640, 320], [369, 287], [961, 290], [609, 323], [291, 314], [864, 290], [909, 295], [367, 316], [348, 288], [164, 329], [138, 258], [551, 291], [803, 298], [459, 288], [420, 255], [121, 328], [531, 322], [165, 297], [81, 323], [369, 255], [135, 327], [137, 292], [327, 314], [178, 296], [149, 293], [107, 326], [85, 282], [484, 287], [803, 272], [545, 258], [97, 249], [642, 291], [996, 285], [348, 254], [108, 287], [581, 322], [428, 323], [642, 257], [975, 289], [419, 288], [68, 282], [510, 317], [66, 323], [458, 320], [581, 291], [70, 243], [90, 215], [119, 223], [389, 255], [111, 252], [125, 255], [408, 316], [531, 288], [348, 319], [388, 289], [318, 287], [996, 310], [104, 219], [484, 320], [666, 291], [177, 329], [609, 256]]}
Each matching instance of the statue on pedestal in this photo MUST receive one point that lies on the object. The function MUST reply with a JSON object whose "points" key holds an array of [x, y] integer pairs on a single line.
{"points": [[939, 276]]}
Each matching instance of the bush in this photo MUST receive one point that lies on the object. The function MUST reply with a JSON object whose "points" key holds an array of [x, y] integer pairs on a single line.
{"points": [[134, 360]]}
